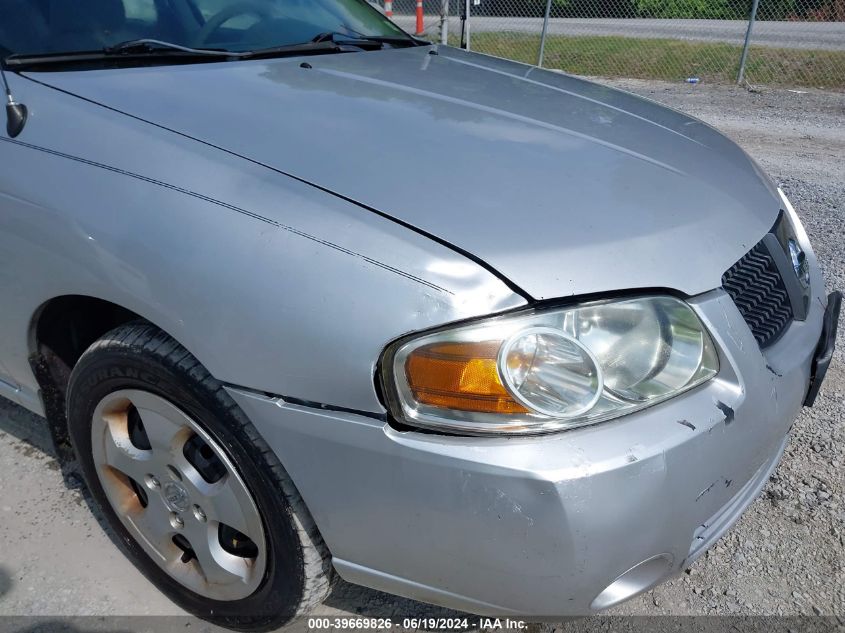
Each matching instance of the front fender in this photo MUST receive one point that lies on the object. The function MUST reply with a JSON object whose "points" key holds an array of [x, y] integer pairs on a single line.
{"points": [[271, 283]]}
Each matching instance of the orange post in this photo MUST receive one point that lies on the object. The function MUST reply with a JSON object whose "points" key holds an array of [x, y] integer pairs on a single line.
{"points": [[419, 17], [388, 8]]}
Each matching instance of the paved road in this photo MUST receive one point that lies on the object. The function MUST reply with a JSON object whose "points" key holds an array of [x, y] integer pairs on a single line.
{"points": [[810, 35]]}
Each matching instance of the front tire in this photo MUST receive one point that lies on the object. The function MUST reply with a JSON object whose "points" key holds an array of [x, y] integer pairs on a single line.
{"points": [[198, 501]]}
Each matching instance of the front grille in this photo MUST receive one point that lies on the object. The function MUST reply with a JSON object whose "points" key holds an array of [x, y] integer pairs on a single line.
{"points": [[758, 290]]}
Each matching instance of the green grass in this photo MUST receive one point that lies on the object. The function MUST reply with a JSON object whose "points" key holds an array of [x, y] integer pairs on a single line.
{"points": [[671, 60]]}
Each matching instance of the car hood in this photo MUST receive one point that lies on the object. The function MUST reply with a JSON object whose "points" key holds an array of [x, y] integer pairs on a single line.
{"points": [[563, 186]]}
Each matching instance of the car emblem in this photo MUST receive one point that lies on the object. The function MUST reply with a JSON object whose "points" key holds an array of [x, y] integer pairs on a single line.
{"points": [[175, 496], [799, 262]]}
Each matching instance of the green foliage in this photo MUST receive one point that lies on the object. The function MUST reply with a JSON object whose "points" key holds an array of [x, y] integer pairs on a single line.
{"points": [[667, 9], [593, 9], [671, 60], [523, 8], [776, 9], [680, 9]]}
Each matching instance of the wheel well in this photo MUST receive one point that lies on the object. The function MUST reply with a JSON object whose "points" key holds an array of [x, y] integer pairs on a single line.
{"points": [[62, 329]]}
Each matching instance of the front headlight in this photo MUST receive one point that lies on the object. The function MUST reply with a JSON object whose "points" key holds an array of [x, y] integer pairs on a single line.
{"points": [[549, 370], [790, 233]]}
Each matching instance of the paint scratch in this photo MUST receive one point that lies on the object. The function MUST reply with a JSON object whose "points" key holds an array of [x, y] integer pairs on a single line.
{"points": [[726, 410], [705, 491], [771, 369]]}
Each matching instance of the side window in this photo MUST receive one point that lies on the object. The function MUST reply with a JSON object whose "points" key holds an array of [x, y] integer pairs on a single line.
{"points": [[143, 11]]}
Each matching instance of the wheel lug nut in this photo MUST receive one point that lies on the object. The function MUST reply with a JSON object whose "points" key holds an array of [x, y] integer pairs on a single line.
{"points": [[200, 515], [152, 481], [176, 521]]}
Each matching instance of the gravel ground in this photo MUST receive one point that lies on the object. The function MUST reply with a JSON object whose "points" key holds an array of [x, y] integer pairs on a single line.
{"points": [[784, 557], [787, 553]]}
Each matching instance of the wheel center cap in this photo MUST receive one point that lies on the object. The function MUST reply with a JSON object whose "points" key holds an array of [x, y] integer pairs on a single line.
{"points": [[176, 496]]}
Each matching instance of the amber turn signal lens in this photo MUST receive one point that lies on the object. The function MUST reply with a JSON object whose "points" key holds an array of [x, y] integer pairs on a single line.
{"points": [[460, 376]]}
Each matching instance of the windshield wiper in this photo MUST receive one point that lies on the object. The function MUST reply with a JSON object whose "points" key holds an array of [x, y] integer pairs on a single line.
{"points": [[305, 48], [353, 38], [153, 46], [347, 40], [142, 49], [150, 46], [131, 50]]}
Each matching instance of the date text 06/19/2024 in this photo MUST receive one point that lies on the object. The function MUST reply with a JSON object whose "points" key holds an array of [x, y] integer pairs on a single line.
{"points": [[441, 624]]}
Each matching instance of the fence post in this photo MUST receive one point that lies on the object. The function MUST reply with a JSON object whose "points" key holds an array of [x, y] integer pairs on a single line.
{"points": [[467, 9], [543, 34], [444, 22], [742, 60]]}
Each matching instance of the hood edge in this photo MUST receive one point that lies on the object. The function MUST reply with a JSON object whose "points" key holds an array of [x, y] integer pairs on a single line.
{"points": [[439, 240]]}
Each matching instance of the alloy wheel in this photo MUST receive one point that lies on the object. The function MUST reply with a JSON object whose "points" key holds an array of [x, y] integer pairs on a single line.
{"points": [[178, 494]]}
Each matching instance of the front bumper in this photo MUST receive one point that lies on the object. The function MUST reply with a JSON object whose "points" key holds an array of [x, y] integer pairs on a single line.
{"points": [[548, 525]]}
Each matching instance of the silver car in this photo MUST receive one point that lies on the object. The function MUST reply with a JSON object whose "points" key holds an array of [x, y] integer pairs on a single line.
{"points": [[308, 296]]}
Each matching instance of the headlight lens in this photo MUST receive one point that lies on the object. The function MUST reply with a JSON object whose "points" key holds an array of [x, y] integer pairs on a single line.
{"points": [[550, 373], [549, 370], [787, 232]]}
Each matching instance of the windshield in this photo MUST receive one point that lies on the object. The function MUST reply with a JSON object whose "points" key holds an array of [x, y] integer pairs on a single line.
{"points": [[36, 27]]}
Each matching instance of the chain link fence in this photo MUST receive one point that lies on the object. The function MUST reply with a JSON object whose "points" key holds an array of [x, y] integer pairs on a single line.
{"points": [[790, 43]]}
